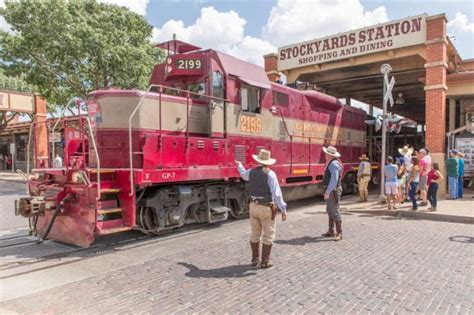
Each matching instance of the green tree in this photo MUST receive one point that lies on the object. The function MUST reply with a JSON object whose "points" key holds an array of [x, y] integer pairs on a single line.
{"points": [[70, 48]]}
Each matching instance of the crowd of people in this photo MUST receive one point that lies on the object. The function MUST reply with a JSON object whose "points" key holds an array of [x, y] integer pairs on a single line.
{"points": [[412, 176]]}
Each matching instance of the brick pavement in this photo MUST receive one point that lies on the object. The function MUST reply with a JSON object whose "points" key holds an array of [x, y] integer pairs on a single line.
{"points": [[383, 265]]}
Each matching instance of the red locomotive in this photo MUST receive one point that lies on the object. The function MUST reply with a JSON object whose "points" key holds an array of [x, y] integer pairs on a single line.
{"points": [[158, 159]]}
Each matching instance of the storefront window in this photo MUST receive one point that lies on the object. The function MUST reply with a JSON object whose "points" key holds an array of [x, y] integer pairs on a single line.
{"points": [[21, 142]]}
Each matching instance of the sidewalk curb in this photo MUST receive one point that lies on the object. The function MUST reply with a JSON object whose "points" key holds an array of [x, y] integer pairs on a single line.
{"points": [[418, 215]]}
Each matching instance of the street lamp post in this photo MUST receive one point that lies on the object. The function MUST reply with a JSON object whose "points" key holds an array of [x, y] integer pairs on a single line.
{"points": [[385, 69]]}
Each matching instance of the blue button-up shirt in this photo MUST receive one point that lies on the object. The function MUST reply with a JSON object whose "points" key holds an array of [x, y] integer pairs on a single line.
{"points": [[335, 168], [277, 196]]}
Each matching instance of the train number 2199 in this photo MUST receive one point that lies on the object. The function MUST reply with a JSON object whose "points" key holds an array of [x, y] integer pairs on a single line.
{"points": [[250, 124]]}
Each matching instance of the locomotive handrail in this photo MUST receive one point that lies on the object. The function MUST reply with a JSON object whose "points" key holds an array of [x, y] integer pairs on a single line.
{"points": [[96, 153], [61, 116], [160, 91]]}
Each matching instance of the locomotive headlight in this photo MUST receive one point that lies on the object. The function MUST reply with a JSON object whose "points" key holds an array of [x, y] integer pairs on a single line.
{"points": [[169, 60], [169, 69]]}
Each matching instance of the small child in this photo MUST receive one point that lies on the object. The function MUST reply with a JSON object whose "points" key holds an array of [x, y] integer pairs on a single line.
{"points": [[434, 177]]}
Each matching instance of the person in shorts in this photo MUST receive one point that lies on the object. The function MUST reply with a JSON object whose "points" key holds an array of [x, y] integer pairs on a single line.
{"points": [[390, 172]]}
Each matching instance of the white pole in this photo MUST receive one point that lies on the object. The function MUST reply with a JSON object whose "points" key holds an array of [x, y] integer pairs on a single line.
{"points": [[385, 70]]}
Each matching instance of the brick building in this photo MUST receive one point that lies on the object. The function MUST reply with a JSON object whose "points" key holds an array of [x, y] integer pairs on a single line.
{"points": [[436, 84]]}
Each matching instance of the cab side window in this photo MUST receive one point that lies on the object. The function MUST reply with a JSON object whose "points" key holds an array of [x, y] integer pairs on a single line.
{"points": [[250, 98], [217, 84]]}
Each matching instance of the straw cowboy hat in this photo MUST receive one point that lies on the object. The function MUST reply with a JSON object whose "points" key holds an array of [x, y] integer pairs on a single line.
{"points": [[364, 157], [331, 151], [406, 150], [263, 157]]}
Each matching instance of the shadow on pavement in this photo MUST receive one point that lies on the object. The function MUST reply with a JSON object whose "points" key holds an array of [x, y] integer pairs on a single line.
{"points": [[462, 239], [235, 271], [304, 240]]}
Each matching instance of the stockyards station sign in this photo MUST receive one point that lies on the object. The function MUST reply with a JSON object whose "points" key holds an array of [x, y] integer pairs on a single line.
{"points": [[391, 35]]}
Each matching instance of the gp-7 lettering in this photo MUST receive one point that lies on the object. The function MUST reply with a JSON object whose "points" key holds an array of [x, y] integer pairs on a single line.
{"points": [[168, 176]]}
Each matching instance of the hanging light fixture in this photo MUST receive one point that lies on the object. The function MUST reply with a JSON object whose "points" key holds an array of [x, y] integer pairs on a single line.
{"points": [[400, 100]]}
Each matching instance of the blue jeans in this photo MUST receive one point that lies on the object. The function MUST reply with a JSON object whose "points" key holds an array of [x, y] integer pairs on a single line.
{"points": [[432, 192], [332, 204], [412, 194], [460, 187], [453, 187]]}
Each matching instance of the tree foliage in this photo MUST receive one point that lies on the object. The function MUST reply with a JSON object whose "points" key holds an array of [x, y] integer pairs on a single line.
{"points": [[69, 48]]}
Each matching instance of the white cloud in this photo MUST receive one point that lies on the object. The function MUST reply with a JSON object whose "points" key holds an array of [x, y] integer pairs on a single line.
{"points": [[460, 23], [293, 21], [4, 26], [251, 49], [223, 31], [137, 6]]}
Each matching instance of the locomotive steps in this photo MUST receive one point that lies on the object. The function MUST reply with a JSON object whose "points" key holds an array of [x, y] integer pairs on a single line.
{"points": [[110, 210]]}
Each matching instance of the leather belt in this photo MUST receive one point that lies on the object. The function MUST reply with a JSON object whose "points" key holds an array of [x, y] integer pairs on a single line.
{"points": [[260, 202]]}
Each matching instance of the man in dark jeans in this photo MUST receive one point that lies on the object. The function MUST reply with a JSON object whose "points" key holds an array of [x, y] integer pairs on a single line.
{"points": [[332, 181]]}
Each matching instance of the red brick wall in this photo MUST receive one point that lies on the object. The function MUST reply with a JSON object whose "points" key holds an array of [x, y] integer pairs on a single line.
{"points": [[271, 67], [435, 84]]}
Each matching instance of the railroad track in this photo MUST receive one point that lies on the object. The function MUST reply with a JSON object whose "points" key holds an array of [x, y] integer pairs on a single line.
{"points": [[10, 241], [105, 245]]}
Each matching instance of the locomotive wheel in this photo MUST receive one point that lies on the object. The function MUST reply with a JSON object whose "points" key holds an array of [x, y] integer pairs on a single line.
{"points": [[146, 220], [236, 212]]}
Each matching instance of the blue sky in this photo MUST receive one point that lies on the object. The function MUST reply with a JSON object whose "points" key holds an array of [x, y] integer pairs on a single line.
{"points": [[315, 14], [251, 28]]}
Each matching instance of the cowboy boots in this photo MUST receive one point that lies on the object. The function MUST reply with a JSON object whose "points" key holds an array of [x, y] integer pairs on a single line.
{"points": [[338, 236], [266, 260], [255, 253], [330, 232]]}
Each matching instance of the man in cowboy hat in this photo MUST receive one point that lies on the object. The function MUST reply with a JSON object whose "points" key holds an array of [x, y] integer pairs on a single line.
{"points": [[265, 193], [406, 152], [332, 182], [363, 177]]}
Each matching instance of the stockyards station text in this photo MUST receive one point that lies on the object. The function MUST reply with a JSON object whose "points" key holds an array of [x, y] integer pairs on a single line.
{"points": [[350, 44]]}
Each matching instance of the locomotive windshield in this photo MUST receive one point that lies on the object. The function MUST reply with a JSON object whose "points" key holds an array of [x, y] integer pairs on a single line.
{"points": [[199, 88]]}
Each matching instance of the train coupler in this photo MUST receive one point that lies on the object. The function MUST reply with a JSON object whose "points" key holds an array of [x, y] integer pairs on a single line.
{"points": [[30, 206]]}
